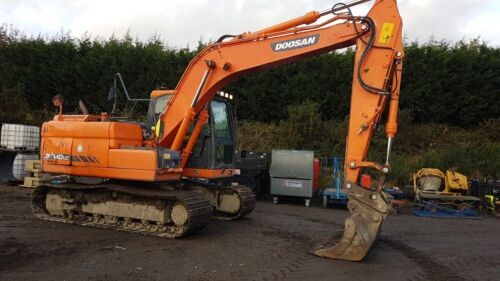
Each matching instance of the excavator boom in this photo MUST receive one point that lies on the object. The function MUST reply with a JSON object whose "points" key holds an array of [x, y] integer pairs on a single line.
{"points": [[375, 86], [376, 78]]}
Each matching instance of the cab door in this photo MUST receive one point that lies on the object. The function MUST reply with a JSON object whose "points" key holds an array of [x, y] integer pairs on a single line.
{"points": [[223, 133], [215, 147]]}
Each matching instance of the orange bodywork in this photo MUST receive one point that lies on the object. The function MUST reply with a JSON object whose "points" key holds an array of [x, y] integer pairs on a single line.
{"points": [[100, 149], [121, 153], [208, 173]]}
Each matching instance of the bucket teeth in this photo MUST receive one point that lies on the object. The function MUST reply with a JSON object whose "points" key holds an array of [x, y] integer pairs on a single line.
{"points": [[368, 211]]}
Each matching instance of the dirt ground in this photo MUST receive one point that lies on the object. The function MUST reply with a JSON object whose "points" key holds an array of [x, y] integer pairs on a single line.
{"points": [[273, 243]]}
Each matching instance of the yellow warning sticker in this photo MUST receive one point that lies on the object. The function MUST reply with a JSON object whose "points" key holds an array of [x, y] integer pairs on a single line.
{"points": [[386, 33]]}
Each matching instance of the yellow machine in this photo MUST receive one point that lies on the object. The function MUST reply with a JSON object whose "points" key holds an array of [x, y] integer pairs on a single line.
{"points": [[433, 184], [492, 199], [493, 204]]}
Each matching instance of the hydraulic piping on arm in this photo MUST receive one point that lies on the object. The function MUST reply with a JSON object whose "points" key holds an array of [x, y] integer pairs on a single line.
{"points": [[376, 82]]}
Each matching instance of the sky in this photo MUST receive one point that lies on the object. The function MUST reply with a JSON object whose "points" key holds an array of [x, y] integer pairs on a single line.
{"points": [[182, 23]]}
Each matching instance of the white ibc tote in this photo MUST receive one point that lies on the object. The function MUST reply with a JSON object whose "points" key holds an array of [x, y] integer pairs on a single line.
{"points": [[20, 137]]}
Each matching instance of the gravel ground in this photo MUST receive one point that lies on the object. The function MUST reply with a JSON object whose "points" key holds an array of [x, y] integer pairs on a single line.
{"points": [[273, 243]]}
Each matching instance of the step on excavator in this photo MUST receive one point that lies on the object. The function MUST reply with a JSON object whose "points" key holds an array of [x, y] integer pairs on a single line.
{"points": [[157, 178]]}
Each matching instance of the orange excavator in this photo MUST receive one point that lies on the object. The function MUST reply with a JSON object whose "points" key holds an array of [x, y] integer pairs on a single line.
{"points": [[166, 177]]}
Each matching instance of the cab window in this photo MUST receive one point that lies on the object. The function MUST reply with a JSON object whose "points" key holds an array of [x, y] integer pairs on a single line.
{"points": [[160, 103], [222, 129], [156, 106]]}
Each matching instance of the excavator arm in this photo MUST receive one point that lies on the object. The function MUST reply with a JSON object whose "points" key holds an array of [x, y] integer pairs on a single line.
{"points": [[375, 89]]}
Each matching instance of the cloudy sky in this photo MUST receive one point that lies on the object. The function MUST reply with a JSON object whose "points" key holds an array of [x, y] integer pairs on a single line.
{"points": [[183, 22]]}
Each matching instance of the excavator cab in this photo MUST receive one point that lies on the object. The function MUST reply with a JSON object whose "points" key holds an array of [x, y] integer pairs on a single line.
{"points": [[215, 147], [216, 144], [159, 99]]}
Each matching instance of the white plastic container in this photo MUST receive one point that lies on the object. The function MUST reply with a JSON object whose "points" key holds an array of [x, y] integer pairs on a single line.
{"points": [[18, 165], [20, 137]]}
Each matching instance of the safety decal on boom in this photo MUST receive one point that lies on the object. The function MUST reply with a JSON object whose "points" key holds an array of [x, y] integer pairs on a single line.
{"points": [[295, 43], [386, 33]]}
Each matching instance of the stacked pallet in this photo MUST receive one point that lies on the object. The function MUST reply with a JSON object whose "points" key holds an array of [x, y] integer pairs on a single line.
{"points": [[34, 176]]}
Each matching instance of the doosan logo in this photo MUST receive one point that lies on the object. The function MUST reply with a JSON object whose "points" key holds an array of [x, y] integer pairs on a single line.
{"points": [[295, 43]]}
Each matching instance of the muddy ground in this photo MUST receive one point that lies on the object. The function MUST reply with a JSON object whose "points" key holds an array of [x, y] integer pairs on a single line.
{"points": [[273, 243]]}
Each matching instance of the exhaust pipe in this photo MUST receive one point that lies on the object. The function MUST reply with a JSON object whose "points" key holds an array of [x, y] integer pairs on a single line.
{"points": [[368, 210]]}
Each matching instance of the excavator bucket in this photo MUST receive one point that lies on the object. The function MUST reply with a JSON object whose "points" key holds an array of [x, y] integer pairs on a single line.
{"points": [[368, 210]]}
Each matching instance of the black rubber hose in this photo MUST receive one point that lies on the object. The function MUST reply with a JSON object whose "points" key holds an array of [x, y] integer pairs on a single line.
{"points": [[225, 36]]}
